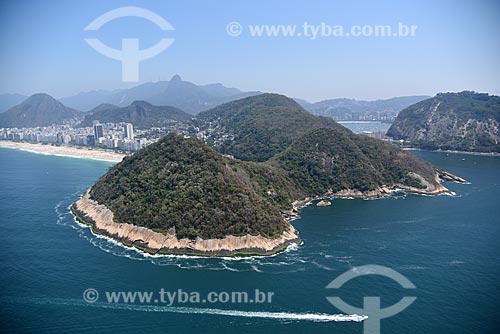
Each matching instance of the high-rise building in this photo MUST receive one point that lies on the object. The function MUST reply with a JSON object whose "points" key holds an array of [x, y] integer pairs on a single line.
{"points": [[91, 140], [129, 131], [98, 131]]}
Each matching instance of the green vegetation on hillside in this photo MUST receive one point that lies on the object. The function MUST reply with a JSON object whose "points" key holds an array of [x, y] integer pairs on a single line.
{"points": [[141, 114], [182, 183], [258, 127], [470, 105], [465, 121], [325, 160]]}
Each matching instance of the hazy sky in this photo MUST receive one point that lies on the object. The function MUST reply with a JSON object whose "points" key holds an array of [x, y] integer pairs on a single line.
{"points": [[456, 47]]}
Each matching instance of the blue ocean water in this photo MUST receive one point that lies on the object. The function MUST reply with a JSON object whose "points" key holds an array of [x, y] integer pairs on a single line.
{"points": [[448, 246]]}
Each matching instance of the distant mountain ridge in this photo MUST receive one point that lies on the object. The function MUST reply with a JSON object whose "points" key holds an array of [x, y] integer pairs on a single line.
{"points": [[193, 98], [350, 109], [465, 121], [37, 110], [140, 113], [181, 94]]}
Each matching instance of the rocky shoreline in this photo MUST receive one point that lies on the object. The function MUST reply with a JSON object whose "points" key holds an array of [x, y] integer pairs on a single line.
{"points": [[100, 219], [431, 190]]}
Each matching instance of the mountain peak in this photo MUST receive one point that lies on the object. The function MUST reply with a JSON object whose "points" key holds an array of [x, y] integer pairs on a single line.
{"points": [[39, 97], [41, 100], [176, 78], [270, 100], [141, 103], [37, 110], [176, 92], [260, 113]]}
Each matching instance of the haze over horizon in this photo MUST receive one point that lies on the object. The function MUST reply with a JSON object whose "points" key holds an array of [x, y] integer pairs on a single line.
{"points": [[453, 49]]}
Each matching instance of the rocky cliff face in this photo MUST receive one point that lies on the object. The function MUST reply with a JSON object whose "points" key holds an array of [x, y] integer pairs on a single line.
{"points": [[453, 121], [102, 222]]}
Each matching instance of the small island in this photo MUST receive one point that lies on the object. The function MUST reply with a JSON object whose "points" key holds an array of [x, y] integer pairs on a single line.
{"points": [[223, 196]]}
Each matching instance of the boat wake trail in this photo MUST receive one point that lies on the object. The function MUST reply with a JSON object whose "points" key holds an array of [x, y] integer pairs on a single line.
{"points": [[282, 316]]}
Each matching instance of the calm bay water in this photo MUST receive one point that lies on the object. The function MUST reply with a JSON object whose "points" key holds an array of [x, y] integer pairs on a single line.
{"points": [[360, 126], [448, 246]]}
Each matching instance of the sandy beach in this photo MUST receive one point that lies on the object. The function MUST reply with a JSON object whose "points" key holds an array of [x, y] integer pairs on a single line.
{"points": [[65, 151]]}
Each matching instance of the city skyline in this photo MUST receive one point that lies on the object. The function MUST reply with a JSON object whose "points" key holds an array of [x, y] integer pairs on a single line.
{"points": [[110, 136]]}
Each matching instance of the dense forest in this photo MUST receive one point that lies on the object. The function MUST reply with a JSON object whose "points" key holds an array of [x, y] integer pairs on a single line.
{"points": [[181, 182], [258, 127]]}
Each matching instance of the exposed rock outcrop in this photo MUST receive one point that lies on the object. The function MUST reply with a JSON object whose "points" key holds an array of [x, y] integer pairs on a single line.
{"points": [[465, 121], [100, 218]]}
